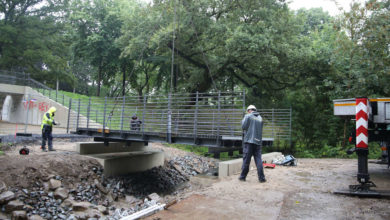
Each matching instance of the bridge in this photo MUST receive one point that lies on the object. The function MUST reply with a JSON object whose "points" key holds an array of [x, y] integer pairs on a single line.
{"points": [[201, 119]]}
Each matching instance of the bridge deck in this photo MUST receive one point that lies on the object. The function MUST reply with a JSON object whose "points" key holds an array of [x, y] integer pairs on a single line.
{"points": [[212, 141]]}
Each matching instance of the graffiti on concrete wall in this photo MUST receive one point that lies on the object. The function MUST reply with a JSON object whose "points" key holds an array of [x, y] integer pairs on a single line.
{"points": [[42, 106]]}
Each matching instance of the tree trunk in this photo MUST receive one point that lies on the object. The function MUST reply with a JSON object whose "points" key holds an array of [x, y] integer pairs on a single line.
{"points": [[345, 132], [99, 81], [124, 80]]}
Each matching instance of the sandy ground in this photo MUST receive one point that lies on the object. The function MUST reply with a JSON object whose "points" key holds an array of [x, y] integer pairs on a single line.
{"points": [[12, 128], [302, 192]]}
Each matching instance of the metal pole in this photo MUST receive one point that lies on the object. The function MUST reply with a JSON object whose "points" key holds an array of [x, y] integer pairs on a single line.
{"points": [[28, 107], [196, 117], [78, 116], [56, 94], [273, 123], [88, 111], [104, 115], [123, 111], [143, 117], [63, 99], [169, 118], [243, 108], [290, 125], [243, 101], [219, 118], [49, 93], [28, 79], [70, 107]]}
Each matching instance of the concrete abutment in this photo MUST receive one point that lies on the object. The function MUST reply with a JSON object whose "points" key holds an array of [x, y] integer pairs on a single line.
{"points": [[120, 158]]}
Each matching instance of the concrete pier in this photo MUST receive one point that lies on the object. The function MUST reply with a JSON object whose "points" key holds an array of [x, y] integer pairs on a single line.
{"points": [[120, 158], [85, 148]]}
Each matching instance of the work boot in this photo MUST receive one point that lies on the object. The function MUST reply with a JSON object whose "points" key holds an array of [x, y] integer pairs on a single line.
{"points": [[262, 180], [241, 179], [52, 149]]}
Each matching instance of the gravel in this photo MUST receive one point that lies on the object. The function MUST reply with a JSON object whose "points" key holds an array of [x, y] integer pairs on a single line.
{"points": [[88, 184]]}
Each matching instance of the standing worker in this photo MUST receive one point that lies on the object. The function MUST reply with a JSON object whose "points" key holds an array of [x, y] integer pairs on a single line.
{"points": [[135, 123], [47, 128], [252, 124]]}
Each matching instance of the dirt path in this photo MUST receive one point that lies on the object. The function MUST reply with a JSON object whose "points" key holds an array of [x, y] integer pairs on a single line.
{"points": [[12, 128], [302, 192]]}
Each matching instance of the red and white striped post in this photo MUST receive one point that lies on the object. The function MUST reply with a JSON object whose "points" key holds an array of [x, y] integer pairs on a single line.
{"points": [[362, 139], [361, 123]]}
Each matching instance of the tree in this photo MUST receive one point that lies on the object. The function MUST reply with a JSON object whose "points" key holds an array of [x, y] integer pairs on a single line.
{"points": [[141, 27], [31, 38], [97, 27]]}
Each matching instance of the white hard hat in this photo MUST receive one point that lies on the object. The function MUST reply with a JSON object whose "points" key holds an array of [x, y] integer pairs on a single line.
{"points": [[251, 107]]}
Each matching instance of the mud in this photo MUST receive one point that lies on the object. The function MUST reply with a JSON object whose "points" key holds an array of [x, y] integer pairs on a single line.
{"points": [[302, 192]]}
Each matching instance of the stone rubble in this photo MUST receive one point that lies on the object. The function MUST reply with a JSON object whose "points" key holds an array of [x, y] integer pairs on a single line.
{"points": [[91, 195]]}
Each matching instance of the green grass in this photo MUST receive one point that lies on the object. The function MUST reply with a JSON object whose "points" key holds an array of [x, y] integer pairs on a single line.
{"points": [[77, 96], [338, 151]]}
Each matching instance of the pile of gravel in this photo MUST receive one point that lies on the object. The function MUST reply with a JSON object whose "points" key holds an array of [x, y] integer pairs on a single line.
{"points": [[81, 191]]}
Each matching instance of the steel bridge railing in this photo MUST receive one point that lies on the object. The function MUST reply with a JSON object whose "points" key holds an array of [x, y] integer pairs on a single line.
{"points": [[195, 115], [191, 114]]}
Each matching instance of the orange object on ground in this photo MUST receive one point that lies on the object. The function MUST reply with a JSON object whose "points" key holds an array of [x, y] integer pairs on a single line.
{"points": [[269, 165]]}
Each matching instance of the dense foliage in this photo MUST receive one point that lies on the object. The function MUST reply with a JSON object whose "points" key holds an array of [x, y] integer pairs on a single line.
{"points": [[283, 58]]}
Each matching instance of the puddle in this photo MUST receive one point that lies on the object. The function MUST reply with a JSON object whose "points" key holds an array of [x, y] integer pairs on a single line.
{"points": [[206, 178], [303, 174]]}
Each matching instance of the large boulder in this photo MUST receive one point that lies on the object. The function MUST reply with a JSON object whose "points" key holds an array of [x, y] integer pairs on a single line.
{"points": [[155, 197], [81, 206], [14, 205], [6, 197], [130, 199], [87, 214], [54, 184], [61, 193], [3, 186], [35, 217], [67, 203], [104, 210], [19, 215], [100, 186], [3, 216]]}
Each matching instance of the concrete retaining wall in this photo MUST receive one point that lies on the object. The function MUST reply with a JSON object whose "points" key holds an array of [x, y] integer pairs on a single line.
{"points": [[231, 167], [16, 108], [120, 158]]}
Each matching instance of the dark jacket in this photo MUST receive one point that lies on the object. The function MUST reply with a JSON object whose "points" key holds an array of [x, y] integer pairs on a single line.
{"points": [[135, 123], [252, 124]]}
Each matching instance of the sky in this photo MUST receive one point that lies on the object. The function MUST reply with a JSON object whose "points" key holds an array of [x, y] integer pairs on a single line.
{"points": [[327, 5]]}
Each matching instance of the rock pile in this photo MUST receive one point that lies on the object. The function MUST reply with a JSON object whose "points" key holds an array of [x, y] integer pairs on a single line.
{"points": [[90, 195], [192, 165]]}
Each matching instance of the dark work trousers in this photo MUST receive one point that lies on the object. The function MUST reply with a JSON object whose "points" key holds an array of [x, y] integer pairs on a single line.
{"points": [[46, 135], [249, 151]]}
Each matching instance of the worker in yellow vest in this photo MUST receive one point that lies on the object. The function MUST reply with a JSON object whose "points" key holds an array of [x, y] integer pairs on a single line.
{"points": [[47, 128]]}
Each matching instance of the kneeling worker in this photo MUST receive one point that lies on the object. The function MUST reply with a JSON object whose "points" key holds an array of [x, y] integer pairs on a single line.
{"points": [[47, 128]]}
